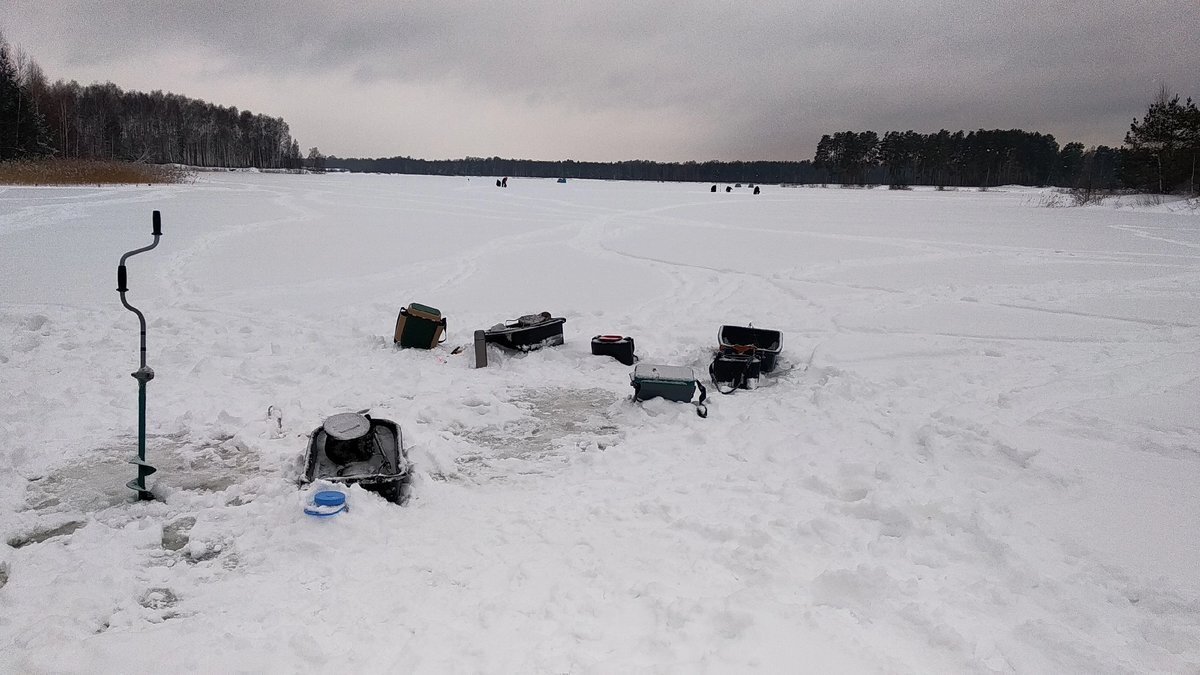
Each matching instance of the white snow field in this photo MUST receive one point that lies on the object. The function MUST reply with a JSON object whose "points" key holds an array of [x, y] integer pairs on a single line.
{"points": [[981, 452]]}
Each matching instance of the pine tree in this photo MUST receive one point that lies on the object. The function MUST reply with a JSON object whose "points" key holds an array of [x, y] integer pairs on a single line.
{"points": [[1161, 151]]}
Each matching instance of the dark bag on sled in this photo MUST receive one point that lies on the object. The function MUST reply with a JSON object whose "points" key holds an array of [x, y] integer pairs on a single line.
{"points": [[528, 332], [735, 371], [420, 326], [674, 383]]}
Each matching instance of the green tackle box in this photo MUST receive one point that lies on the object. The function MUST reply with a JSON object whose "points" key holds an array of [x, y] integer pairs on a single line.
{"points": [[420, 326], [674, 383]]}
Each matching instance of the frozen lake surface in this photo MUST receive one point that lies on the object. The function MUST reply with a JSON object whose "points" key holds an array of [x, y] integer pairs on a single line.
{"points": [[981, 452]]}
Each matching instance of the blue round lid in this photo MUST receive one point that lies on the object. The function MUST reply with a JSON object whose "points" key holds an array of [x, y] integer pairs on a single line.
{"points": [[329, 498]]}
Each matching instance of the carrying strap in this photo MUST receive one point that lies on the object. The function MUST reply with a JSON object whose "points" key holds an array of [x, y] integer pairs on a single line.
{"points": [[701, 409]]}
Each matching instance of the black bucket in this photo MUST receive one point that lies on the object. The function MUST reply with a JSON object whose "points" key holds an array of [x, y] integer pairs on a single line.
{"points": [[348, 438]]}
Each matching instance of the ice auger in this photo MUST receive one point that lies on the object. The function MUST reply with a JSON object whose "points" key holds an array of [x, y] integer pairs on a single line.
{"points": [[143, 374]]}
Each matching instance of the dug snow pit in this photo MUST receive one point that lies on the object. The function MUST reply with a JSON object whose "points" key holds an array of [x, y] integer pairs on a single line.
{"points": [[175, 533], [93, 482], [40, 534], [158, 598], [97, 480], [196, 551], [556, 422], [211, 466]]}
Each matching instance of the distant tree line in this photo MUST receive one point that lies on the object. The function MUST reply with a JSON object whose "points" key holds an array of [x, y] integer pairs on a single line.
{"points": [[712, 171], [1161, 154], [980, 158], [100, 121]]}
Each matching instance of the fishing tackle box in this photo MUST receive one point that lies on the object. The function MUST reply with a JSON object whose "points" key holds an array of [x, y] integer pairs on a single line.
{"points": [[674, 383], [420, 326]]}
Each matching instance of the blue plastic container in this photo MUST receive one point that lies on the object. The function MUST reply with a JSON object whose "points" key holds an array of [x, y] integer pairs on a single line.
{"points": [[327, 503]]}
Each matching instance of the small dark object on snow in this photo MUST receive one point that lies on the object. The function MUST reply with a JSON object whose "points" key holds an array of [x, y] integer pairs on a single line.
{"points": [[728, 189], [756, 190], [528, 332], [620, 347], [351, 448], [714, 189], [480, 349]]}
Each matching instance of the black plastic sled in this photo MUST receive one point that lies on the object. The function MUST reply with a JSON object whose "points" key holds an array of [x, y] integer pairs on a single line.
{"points": [[527, 333], [354, 448], [760, 342]]}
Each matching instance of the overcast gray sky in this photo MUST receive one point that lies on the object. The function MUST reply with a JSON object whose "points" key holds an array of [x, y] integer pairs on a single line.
{"points": [[652, 79]]}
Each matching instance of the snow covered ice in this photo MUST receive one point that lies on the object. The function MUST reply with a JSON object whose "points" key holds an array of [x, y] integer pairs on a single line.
{"points": [[983, 458]]}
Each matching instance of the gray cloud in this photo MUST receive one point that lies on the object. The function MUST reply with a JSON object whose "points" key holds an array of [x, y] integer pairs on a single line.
{"points": [[663, 80]]}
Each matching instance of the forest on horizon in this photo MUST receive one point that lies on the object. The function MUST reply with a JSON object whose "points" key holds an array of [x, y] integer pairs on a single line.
{"points": [[101, 121]]}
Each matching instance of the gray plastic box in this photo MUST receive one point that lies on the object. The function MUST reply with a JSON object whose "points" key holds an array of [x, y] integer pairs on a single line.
{"points": [[674, 383]]}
